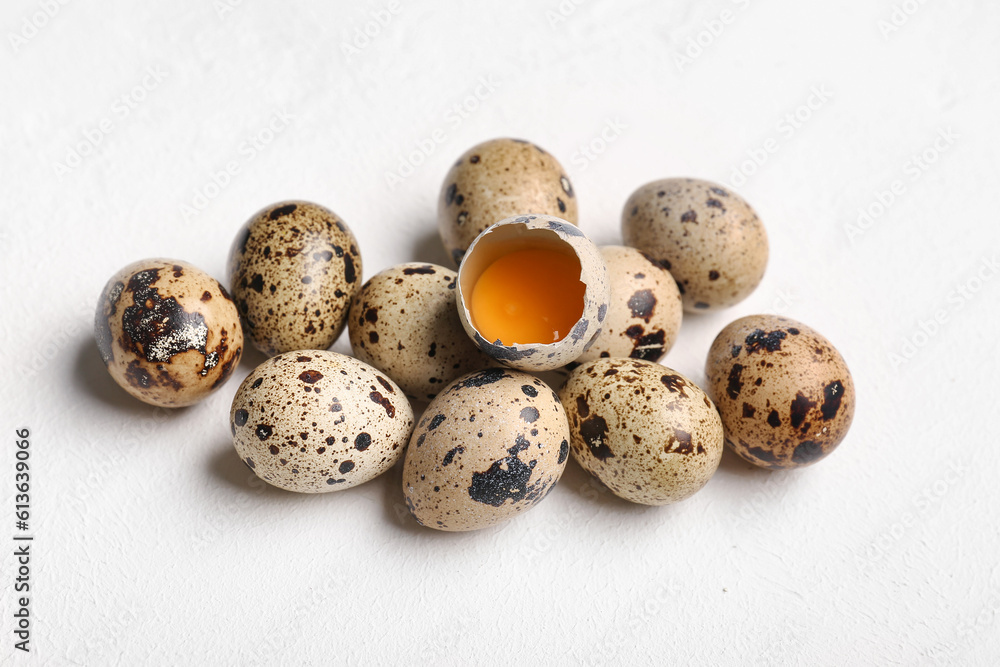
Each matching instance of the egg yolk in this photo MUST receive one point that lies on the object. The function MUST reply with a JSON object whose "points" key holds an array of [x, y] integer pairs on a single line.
{"points": [[528, 296]]}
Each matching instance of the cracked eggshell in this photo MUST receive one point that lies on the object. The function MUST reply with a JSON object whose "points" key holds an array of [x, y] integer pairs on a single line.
{"points": [[168, 332], [784, 392], [644, 313], [706, 235], [314, 421], [404, 321], [293, 269], [538, 231], [495, 180], [489, 447], [647, 432]]}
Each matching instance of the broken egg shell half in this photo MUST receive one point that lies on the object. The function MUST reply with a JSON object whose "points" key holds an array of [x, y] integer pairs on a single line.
{"points": [[543, 232]]}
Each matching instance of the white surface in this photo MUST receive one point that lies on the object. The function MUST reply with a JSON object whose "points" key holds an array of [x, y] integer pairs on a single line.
{"points": [[154, 545]]}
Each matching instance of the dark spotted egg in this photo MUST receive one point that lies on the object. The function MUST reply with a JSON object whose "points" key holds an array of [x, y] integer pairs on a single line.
{"points": [[495, 180], [647, 432], [293, 269], [404, 321], [784, 392], [315, 421], [168, 332], [645, 311], [707, 236], [489, 447]]}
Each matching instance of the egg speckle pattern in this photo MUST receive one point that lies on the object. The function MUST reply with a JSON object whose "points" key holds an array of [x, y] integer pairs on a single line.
{"points": [[489, 447], [707, 236], [784, 392], [405, 322], [647, 432], [645, 310], [293, 269], [495, 180], [168, 332], [315, 421]]}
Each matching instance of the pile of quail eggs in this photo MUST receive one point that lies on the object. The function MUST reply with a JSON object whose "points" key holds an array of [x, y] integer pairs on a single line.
{"points": [[493, 438]]}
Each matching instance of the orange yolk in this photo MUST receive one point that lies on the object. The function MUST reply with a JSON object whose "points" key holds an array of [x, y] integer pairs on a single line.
{"points": [[528, 296]]}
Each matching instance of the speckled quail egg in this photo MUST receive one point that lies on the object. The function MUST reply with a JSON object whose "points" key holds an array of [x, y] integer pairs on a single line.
{"points": [[647, 432], [495, 180], [404, 322], [489, 447], [645, 311], [315, 421], [168, 332], [533, 292], [293, 269], [784, 392], [707, 236]]}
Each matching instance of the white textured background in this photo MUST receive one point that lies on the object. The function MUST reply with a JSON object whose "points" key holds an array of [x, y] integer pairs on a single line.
{"points": [[154, 544]]}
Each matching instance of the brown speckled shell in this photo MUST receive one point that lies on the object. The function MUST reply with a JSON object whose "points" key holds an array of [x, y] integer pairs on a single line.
{"points": [[784, 392], [168, 332], [315, 421], [707, 236], [293, 269], [537, 356], [404, 322], [488, 448], [644, 312], [495, 180], [647, 432]]}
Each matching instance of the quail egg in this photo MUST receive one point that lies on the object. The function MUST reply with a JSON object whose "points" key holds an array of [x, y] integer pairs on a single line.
{"points": [[293, 269], [315, 421], [644, 312], [495, 180], [168, 332], [784, 392], [647, 432], [488, 448], [707, 236], [404, 321]]}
